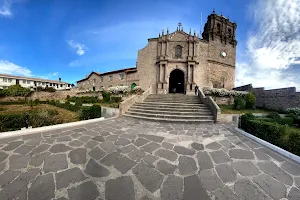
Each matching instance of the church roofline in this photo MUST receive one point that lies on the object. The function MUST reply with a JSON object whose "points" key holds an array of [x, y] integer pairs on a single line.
{"points": [[126, 70]]}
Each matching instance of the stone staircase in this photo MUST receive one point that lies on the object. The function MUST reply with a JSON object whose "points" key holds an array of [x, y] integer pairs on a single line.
{"points": [[172, 108]]}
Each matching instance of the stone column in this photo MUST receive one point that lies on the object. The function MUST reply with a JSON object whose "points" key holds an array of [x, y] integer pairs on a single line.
{"points": [[187, 73], [160, 72], [164, 74], [166, 52], [193, 73]]}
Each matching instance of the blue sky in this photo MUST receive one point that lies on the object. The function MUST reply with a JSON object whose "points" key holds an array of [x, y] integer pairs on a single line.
{"points": [[71, 38]]}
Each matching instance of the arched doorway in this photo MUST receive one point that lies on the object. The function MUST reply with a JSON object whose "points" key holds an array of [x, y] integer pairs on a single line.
{"points": [[132, 86], [176, 81]]}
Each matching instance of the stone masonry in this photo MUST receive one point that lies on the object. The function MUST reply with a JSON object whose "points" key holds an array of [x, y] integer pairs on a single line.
{"points": [[127, 159], [207, 61]]}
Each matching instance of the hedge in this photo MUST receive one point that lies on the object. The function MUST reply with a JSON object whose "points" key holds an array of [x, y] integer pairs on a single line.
{"points": [[37, 118], [84, 99], [66, 105], [280, 135], [90, 112]]}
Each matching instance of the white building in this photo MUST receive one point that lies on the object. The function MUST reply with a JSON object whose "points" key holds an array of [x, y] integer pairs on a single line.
{"points": [[32, 83]]}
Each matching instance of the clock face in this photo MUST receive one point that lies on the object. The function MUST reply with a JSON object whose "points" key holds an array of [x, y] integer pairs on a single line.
{"points": [[223, 54]]}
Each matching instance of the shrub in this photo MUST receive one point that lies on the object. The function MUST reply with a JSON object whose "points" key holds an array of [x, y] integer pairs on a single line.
{"points": [[49, 89], [295, 111], [280, 135], [84, 99], [12, 122], [39, 88], [90, 112], [16, 90], [223, 92], [67, 106], [275, 116], [287, 121], [250, 100], [116, 99], [266, 119], [106, 96], [68, 97], [239, 103], [118, 89]]}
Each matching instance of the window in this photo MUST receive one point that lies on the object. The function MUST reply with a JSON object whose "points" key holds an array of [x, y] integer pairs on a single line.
{"points": [[9, 80], [44, 84], [110, 86], [178, 51], [121, 76], [94, 81], [101, 78], [110, 78], [50, 84], [61, 85], [4, 79], [88, 82], [28, 82], [24, 81], [229, 33], [218, 28]]}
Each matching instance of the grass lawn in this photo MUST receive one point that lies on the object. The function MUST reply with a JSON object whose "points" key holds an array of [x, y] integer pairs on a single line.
{"points": [[227, 109], [64, 115]]}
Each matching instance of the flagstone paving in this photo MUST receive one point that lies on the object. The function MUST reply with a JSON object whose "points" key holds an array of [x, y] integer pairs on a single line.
{"points": [[130, 159]]}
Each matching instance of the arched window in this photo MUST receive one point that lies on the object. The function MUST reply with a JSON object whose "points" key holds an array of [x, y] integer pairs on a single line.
{"points": [[218, 28], [178, 51]]}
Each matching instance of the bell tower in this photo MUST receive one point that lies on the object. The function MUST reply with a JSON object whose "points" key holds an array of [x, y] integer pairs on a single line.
{"points": [[219, 28]]}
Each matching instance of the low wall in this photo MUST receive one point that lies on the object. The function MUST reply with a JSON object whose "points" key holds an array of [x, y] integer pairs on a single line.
{"points": [[234, 118], [43, 96], [107, 112], [216, 111], [126, 104], [276, 99], [223, 100]]}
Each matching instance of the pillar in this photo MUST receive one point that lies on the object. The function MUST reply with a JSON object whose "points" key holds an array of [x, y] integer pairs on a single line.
{"points": [[166, 52]]}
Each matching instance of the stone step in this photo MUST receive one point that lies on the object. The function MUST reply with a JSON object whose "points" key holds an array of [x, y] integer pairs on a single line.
{"points": [[173, 101], [179, 109], [171, 112], [172, 120], [173, 104], [173, 97], [210, 117]]}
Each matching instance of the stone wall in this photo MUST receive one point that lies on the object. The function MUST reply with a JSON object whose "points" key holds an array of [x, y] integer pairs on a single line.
{"points": [[276, 99], [223, 100], [43, 96]]}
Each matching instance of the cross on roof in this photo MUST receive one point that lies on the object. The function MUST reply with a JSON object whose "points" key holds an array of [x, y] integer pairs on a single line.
{"points": [[179, 24]]}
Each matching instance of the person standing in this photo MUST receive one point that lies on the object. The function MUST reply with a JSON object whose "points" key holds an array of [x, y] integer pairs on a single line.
{"points": [[196, 89]]}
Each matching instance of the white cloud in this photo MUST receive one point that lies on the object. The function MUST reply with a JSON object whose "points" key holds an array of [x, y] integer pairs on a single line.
{"points": [[7, 67], [5, 9], [274, 46], [74, 63], [54, 74], [80, 48]]}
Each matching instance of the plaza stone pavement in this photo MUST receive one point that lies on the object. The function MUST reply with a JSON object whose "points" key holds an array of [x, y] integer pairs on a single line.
{"points": [[123, 158]]}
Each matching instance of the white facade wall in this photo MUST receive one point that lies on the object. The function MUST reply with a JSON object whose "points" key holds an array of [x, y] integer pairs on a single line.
{"points": [[6, 82]]}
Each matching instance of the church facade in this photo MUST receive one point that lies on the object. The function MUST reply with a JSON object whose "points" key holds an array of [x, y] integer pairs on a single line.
{"points": [[176, 62]]}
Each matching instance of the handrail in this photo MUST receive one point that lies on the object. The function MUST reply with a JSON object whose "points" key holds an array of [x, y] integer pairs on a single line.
{"points": [[216, 111]]}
